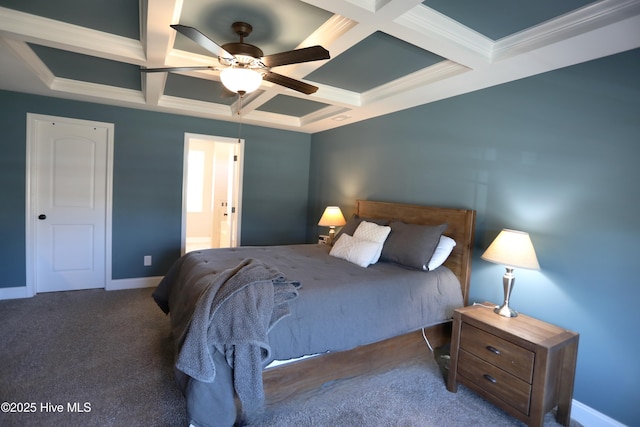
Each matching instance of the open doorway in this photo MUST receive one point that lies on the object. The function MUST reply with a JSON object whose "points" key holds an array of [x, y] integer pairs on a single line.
{"points": [[212, 192]]}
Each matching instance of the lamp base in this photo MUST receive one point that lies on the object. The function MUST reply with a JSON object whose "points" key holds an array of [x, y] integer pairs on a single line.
{"points": [[332, 234], [507, 282], [505, 311]]}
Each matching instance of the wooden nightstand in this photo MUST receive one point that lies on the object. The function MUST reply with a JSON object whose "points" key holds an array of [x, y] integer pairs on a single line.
{"points": [[520, 364]]}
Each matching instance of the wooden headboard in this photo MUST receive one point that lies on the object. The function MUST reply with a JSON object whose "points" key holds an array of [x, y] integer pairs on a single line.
{"points": [[461, 228]]}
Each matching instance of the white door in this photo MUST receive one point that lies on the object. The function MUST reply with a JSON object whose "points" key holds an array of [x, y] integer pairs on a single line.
{"points": [[212, 192], [69, 172]]}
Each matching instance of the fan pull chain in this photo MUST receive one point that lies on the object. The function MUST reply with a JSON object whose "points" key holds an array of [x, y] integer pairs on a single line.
{"points": [[240, 95]]}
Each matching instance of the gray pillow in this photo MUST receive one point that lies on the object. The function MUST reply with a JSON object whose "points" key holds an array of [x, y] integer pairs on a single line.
{"points": [[412, 245], [353, 223]]}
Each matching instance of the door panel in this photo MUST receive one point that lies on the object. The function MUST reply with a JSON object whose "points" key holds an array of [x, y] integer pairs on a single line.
{"points": [[70, 202], [73, 172]]}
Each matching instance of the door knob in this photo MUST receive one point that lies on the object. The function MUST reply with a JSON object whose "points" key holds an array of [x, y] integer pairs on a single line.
{"points": [[42, 216]]}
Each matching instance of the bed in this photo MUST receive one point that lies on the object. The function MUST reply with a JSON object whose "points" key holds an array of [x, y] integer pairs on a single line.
{"points": [[350, 320]]}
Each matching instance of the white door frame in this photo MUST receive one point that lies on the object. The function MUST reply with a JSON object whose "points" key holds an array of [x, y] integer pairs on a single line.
{"points": [[237, 179], [31, 214]]}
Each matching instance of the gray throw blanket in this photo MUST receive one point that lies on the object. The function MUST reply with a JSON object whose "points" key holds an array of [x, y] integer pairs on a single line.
{"points": [[233, 316]]}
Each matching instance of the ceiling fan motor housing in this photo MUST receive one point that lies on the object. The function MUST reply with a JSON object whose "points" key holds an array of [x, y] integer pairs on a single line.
{"points": [[245, 54]]}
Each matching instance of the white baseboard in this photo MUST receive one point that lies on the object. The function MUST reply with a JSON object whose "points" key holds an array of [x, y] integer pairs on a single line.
{"points": [[589, 417], [113, 285], [14, 293], [140, 282]]}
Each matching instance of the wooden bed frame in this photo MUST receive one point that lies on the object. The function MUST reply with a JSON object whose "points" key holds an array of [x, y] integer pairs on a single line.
{"points": [[283, 381]]}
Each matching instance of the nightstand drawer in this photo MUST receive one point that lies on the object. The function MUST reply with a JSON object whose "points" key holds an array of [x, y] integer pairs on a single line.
{"points": [[495, 381], [497, 351]]}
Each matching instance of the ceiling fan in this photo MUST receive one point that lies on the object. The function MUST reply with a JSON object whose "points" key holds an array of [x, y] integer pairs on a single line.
{"points": [[242, 66]]}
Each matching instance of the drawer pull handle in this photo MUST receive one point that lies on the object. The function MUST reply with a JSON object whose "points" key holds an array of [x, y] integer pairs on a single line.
{"points": [[490, 378], [493, 349]]}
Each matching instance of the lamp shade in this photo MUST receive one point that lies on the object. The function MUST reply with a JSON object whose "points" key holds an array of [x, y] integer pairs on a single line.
{"points": [[512, 249], [332, 217], [239, 80]]}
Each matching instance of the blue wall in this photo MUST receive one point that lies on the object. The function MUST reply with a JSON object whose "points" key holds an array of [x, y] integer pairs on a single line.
{"points": [[147, 188], [555, 155]]}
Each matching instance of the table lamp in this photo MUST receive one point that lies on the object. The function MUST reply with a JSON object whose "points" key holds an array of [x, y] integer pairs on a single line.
{"points": [[332, 218], [512, 249]]}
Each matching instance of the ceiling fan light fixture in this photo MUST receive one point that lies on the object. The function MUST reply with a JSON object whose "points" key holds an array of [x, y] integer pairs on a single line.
{"points": [[239, 80]]}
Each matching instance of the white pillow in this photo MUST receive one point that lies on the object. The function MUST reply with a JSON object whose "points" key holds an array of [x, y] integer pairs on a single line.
{"points": [[359, 252], [442, 252], [374, 233]]}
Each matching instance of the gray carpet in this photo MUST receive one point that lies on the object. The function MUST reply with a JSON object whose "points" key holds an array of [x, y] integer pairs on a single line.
{"points": [[110, 355]]}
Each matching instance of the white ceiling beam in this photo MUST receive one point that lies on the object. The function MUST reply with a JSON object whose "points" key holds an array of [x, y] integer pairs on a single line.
{"points": [[31, 60], [86, 89], [158, 38], [60, 35], [439, 34], [153, 86], [587, 19]]}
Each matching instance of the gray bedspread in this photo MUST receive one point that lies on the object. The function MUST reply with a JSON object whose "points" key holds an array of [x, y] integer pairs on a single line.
{"points": [[340, 305]]}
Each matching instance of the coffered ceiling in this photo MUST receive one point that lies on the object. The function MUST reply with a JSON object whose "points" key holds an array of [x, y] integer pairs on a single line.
{"points": [[386, 55]]}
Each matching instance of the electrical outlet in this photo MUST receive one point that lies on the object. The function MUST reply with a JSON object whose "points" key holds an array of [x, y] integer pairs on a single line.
{"points": [[147, 260]]}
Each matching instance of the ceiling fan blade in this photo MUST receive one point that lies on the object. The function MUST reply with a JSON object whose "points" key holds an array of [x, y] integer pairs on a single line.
{"points": [[290, 83], [306, 54], [177, 69], [202, 40]]}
